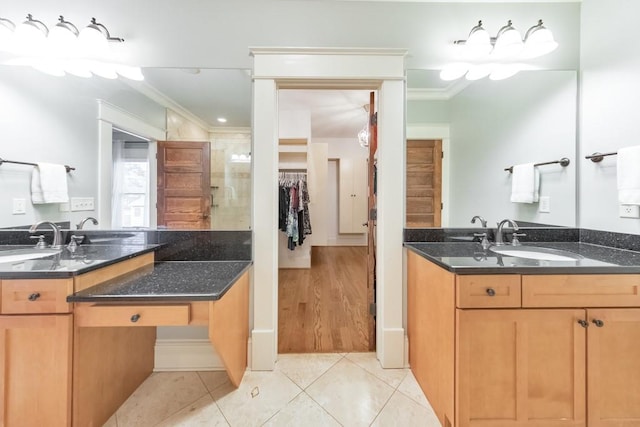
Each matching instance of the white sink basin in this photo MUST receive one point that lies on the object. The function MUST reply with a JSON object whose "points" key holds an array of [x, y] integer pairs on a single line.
{"points": [[16, 255], [533, 252]]}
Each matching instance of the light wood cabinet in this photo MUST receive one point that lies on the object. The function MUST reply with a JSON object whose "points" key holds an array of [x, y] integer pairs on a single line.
{"points": [[352, 195], [551, 358]]}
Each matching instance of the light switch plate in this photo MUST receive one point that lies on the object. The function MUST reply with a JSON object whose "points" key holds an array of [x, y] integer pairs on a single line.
{"points": [[82, 204], [19, 207], [545, 204]]}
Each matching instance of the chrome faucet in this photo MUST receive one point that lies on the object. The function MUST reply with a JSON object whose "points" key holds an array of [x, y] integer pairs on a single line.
{"points": [[482, 220], [57, 233], [89, 218], [485, 241], [499, 238]]}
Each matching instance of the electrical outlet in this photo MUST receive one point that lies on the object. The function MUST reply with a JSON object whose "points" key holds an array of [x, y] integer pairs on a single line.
{"points": [[19, 207], [545, 204], [82, 204], [629, 211]]}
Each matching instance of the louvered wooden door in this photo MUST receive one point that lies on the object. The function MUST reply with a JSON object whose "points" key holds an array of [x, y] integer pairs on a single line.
{"points": [[424, 183]]}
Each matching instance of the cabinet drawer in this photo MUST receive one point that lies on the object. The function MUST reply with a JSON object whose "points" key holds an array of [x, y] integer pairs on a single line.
{"points": [[577, 290], [35, 296], [488, 291], [87, 315]]}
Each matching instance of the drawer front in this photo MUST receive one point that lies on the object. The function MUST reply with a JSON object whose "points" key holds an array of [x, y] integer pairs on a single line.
{"points": [[88, 315], [488, 291], [581, 290], [35, 296]]}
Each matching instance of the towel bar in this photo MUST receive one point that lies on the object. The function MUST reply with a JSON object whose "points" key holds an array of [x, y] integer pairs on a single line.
{"points": [[68, 168], [597, 157], [564, 162]]}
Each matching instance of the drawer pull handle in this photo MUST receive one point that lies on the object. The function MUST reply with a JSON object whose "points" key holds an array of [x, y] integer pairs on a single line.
{"points": [[491, 292], [34, 296], [599, 323], [583, 323], [135, 318]]}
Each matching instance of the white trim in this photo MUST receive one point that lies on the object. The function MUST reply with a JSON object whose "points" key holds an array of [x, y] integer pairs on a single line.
{"points": [[415, 94], [186, 355], [127, 121], [350, 51]]}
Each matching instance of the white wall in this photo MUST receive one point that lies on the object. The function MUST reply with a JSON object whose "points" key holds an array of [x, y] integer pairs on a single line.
{"points": [[530, 117], [340, 148], [51, 119], [610, 101]]}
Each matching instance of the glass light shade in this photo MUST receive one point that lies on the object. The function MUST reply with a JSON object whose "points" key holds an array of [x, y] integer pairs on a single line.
{"points": [[93, 42], [48, 66], [539, 42], [103, 69], [504, 71], [131, 73], [78, 68], [508, 44], [7, 29], [478, 72], [31, 37], [454, 71], [478, 45], [63, 41], [363, 136]]}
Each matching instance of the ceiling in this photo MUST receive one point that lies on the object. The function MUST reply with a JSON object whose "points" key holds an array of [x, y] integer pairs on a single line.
{"points": [[204, 95]]}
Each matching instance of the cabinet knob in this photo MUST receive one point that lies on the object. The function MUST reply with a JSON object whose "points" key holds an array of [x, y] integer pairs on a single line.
{"points": [[583, 323], [491, 292], [599, 323], [34, 296], [135, 318]]}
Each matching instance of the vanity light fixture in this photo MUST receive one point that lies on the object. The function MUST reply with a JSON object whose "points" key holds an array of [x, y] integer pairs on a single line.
{"points": [[31, 36], [7, 30], [498, 57]]}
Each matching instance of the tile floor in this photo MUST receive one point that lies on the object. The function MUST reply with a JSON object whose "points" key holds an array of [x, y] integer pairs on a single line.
{"points": [[304, 389]]}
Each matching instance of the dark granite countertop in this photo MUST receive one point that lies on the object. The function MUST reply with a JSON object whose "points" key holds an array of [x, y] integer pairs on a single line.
{"points": [[64, 263], [470, 258], [169, 281]]}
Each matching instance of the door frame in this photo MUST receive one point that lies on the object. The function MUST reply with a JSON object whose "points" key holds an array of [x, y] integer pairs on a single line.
{"points": [[378, 69]]}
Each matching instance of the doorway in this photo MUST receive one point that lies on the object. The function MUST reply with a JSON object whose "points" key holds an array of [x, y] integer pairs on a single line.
{"points": [[323, 303]]}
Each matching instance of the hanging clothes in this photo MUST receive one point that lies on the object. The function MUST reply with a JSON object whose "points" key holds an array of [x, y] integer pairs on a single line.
{"points": [[293, 208]]}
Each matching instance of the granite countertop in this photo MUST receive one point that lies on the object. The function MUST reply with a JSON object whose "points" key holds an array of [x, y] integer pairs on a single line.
{"points": [[169, 281], [470, 258], [64, 263]]}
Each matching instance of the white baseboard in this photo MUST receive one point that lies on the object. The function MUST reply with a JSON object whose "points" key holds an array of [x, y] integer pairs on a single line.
{"points": [[186, 355], [263, 350], [393, 352]]}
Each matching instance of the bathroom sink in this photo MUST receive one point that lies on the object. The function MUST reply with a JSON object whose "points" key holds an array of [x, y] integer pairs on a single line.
{"points": [[15, 255], [534, 252]]}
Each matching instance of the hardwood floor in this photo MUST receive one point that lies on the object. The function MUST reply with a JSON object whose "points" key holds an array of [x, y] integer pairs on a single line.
{"points": [[324, 308]]}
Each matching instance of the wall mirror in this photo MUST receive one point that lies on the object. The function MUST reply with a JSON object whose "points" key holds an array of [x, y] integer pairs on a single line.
{"points": [[66, 120], [487, 126]]}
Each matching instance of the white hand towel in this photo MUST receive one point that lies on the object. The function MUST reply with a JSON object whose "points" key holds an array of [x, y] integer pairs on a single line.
{"points": [[629, 175], [49, 184], [525, 184]]}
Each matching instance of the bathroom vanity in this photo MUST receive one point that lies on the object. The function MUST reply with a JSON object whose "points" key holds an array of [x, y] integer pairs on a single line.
{"points": [[79, 329], [506, 341]]}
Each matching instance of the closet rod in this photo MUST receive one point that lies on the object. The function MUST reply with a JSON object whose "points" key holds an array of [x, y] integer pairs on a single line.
{"points": [[597, 157], [68, 168]]}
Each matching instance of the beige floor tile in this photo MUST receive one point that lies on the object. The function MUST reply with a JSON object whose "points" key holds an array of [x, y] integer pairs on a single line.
{"points": [[410, 387], [302, 411], [201, 413], [111, 422], [405, 412], [368, 361], [214, 379], [303, 369], [260, 396], [350, 394], [161, 395]]}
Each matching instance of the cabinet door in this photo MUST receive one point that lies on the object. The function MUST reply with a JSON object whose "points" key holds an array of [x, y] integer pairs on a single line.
{"points": [[613, 367], [353, 195], [35, 370], [520, 368]]}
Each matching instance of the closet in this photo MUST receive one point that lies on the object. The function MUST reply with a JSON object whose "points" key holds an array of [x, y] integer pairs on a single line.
{"points": [[352, 195]]}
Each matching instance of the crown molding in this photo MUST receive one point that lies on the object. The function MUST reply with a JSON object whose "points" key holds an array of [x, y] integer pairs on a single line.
{"points": [[437, 94]]}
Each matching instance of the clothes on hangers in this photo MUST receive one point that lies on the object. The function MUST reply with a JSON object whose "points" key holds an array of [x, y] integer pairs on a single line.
{"points": [[293, 206]]}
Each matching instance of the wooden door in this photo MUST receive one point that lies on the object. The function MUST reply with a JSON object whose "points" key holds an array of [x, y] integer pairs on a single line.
{"points": [[353, 196], [35, 370], [424, 183], [371, 218], [184, 193], [520, 368], [613, 367]]}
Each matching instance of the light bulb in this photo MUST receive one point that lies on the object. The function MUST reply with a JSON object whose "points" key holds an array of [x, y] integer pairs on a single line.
{"points": [[538, 41], [508, 43], [478, 44], [31, 36], [63, 38]]}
